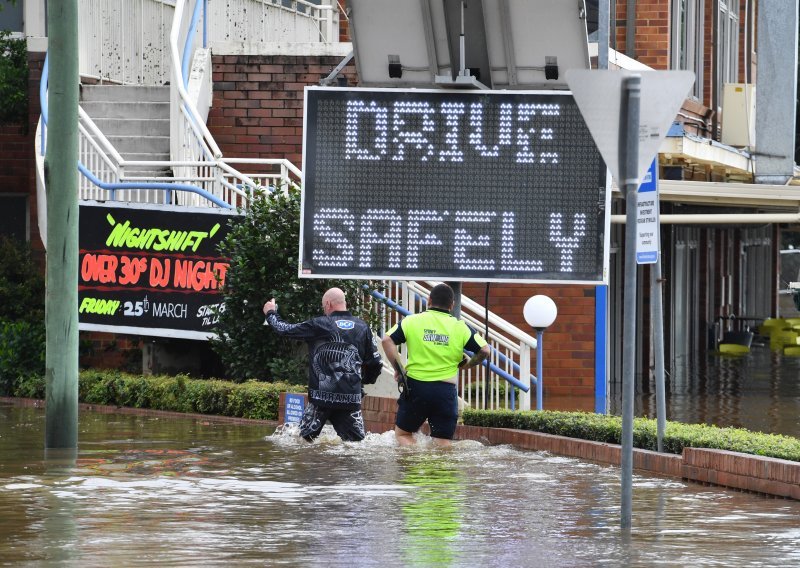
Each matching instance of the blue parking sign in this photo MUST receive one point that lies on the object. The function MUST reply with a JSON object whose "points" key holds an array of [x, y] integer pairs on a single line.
{"points": [[295, 405]]}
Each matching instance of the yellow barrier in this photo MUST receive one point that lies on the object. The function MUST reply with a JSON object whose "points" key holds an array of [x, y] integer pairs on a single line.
{"points": [[771, 325], [733, 349], [779, 339]]}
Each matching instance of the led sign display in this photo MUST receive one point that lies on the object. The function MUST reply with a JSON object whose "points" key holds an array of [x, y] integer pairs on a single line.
{"points": [[451, 185], [151, 270]]}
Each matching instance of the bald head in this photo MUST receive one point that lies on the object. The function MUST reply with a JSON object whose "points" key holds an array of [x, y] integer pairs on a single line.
{"points": [[333, 301]]}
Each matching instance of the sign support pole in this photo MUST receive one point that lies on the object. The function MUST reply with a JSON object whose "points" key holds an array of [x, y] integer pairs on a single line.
{"points": [[629, 151], [456, 286], [627, 136], [61, 179], [656, 285]]}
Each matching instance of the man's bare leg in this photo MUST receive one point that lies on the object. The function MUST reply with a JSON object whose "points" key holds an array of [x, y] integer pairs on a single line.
{"points": [[403, 438]]}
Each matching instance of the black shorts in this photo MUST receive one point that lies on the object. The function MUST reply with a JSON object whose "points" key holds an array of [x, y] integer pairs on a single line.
{"points": [[434, 401], [349, 424]]}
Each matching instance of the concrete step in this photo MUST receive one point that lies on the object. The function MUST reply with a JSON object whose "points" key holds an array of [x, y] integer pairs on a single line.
{"points": [[135, 119], [145, 173], [144, 157], [149, 156], [131, 110], [140, 144], [133, 126], [124, 93]]}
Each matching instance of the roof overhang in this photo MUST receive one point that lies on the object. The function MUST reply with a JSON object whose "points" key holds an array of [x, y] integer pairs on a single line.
{"points": [[730, 194], [727, 194], [727, 161]]}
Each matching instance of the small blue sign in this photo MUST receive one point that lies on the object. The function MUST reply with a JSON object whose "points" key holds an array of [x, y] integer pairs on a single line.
{"points": [[647, 257], [345, 324], [648, 225], [295, 406], [650, 179]]}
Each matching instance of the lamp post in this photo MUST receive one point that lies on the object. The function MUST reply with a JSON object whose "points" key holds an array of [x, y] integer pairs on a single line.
{"points": [[540, 312]]}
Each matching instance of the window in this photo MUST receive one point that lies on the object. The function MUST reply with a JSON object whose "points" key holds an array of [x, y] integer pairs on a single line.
{"points": [[14, 216], [11, 15], [727, 56], [687, 40]]}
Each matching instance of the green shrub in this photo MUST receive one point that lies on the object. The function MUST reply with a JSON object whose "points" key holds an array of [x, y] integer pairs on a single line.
{"points": [[21, 283], [22, 332], [262, 249], [13, 79], [22, 353], [246, 400], [608, 429]]}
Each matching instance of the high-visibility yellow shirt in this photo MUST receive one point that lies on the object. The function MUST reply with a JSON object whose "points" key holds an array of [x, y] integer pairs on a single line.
{"points": [[436, 342]]}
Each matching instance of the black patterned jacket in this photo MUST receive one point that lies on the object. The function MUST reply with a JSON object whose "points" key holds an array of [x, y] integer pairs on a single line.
{"points": [[342, 355]]}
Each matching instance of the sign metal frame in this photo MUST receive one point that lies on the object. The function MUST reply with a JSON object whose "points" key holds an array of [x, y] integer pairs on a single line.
{"points": [[106, 290], [603, 200]]}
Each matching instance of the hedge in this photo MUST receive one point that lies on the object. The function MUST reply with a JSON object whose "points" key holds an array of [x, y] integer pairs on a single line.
{"points": [[251, 399], [608, 429]]}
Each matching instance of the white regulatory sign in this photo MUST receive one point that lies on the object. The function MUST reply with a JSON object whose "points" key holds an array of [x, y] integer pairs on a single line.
{"points": [[648, 227]]}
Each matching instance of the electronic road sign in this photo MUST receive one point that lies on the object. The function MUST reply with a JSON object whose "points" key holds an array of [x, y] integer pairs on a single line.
{"points": [[451, 185]]}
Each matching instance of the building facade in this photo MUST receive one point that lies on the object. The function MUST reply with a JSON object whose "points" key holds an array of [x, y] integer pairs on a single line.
{"points": [[718, 276]]}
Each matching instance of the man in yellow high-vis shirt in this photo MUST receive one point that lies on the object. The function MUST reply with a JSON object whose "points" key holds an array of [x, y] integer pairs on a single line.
{"points": [[436, 342]]}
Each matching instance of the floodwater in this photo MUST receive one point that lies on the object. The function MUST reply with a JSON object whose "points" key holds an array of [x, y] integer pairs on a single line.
{"points": [[759, 391], [188, 492]]}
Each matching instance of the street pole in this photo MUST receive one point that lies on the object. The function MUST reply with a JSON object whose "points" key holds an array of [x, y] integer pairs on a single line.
{"points": [[61, 180], [658, 348], [629, 158], [539, 381]]}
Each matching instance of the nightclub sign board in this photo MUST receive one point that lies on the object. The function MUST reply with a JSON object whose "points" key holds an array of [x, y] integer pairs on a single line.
{"points": [[151, 270], [451, 185]]}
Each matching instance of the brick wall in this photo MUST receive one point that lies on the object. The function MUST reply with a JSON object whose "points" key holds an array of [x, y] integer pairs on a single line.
{"points": [[17, 158], [652, 33], [110, 351], [35, 66], [257, 110]]}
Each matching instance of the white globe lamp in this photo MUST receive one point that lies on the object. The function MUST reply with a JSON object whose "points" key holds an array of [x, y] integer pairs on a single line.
{"points": [[540, 312]]}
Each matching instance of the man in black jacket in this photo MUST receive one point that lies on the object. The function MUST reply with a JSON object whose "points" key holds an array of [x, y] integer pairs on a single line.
{"points": [[342, 354]]}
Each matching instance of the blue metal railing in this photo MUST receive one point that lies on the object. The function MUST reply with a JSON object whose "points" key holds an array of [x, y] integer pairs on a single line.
{"points": [[152, 185], [382, 298], [186, 59]]}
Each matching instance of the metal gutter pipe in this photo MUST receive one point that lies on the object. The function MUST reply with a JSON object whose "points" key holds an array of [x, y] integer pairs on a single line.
{"points": [[630, 29], [720, 218]]}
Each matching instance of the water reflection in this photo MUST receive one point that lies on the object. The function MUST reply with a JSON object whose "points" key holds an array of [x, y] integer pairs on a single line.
{"points": [[59, 526], [433, 513], [186, 492], [759, 391]]}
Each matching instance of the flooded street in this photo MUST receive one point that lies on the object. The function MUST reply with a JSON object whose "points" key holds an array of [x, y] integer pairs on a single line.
{"points": [[759, 391], [187, 492]]}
